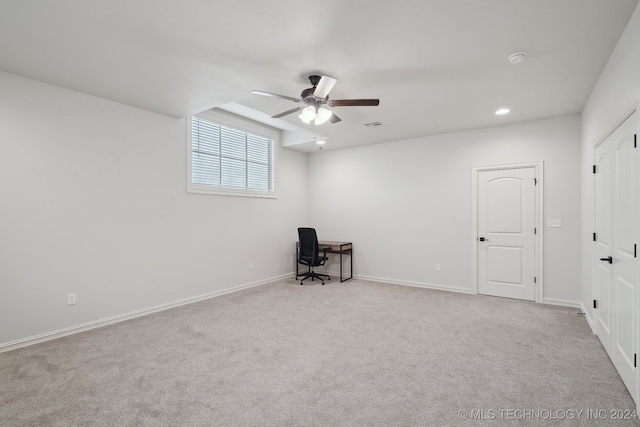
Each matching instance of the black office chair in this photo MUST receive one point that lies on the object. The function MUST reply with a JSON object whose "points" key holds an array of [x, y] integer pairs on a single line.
{"points": [[309, 254]]}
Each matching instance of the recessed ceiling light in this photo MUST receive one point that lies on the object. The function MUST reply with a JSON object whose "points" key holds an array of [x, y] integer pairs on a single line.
{"points": [[502, 111], [517, 57], [320, 142]]}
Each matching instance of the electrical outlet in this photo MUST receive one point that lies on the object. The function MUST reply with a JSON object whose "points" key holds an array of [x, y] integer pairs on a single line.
{"points": [[71, 299], [250, 266], [437, 267], [336, 258]]}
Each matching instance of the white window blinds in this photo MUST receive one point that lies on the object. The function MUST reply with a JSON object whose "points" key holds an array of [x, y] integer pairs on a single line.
{"points": [[227, 158]]}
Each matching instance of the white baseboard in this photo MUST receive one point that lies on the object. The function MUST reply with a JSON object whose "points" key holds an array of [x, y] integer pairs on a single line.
{"points": [[562, 302], [568, 303], [589, 319], [336, 275], [576, 304], [415, 284], [12, 345], [552, 301]]}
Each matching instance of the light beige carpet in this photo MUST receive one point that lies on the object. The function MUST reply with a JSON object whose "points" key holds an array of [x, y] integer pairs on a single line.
{"points": [[352, 354]]}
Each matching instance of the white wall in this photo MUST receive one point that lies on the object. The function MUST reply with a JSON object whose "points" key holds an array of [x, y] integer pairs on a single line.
{"points": [[94, 202], [406, 205], [617, 85]]}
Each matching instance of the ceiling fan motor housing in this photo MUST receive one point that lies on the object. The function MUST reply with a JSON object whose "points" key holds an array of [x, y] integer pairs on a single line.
{"points": [[307, 94], [314, 80]]}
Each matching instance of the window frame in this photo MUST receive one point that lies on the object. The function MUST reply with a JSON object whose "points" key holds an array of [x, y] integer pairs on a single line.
{"points": [[241, 124]]}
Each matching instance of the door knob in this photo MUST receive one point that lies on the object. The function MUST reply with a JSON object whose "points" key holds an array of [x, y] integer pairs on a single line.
{"points": [[608, 259]]}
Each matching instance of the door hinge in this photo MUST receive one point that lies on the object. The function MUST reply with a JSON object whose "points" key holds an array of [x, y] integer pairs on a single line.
{"points": [[635, 140], [595, 304], [635, 360], [594, 237], [635, 250], [535, 181], [535, 230], [535, 279], [594, 168]]}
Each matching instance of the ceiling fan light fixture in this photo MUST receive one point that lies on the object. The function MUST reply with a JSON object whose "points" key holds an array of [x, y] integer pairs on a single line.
{"points": [[308, 114], [305, 120], [322, 115]]}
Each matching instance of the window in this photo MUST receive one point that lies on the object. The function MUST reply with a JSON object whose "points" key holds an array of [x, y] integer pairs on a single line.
{"points": [[230, 155]]}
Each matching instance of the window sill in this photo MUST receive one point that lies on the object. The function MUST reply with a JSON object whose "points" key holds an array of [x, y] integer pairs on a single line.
{"points": [[231, 192]]}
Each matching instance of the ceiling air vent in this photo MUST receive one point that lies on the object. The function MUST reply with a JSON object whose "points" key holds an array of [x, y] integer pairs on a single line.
{"points": [[373, 124]]}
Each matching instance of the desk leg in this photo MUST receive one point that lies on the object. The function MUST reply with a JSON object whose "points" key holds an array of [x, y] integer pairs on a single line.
{"points": [[351, 263]]}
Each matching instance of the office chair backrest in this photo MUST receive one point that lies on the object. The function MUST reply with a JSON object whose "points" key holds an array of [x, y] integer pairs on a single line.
{"points": [[308, 239]]}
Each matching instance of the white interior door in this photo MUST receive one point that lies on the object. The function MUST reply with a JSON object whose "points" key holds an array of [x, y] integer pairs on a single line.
{"points": [[617, 278], [506, 221], [604, 245]]}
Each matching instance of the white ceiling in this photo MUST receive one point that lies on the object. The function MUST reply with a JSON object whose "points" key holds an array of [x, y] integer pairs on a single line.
{"points": [[437, 66]]}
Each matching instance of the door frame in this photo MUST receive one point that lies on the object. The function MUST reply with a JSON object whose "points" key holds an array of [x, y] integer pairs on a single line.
{"points": [[538, 167]]}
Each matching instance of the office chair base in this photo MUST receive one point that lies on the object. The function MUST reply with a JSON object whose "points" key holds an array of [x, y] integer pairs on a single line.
{"points": [[313, 276]]}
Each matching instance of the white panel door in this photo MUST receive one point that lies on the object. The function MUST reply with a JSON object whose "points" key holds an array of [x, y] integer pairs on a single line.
{"points": [[506, 220], [604, 245], [617, 271]]}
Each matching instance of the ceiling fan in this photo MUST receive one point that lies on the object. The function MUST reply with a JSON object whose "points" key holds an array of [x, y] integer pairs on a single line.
{"points": [[316, 100]]}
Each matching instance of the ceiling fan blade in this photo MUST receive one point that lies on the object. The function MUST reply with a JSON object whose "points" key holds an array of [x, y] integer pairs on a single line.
{"points": [[277, 116], [325, 85], [354, 102], [274, 95], [334, 118]]}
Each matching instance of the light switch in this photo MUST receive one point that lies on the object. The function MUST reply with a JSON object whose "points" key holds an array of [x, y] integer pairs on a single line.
{"points": [[554, 223]]}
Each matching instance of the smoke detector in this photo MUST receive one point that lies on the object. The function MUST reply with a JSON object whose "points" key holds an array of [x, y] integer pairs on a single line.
{"points": [[516, 58]]}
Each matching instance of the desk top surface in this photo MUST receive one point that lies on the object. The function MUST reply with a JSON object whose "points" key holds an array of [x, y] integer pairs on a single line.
{"points": [[335, 246]]}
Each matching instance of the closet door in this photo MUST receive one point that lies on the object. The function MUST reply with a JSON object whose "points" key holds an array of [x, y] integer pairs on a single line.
{"points": [[625, 270], [604, 245], [617, 268]]}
